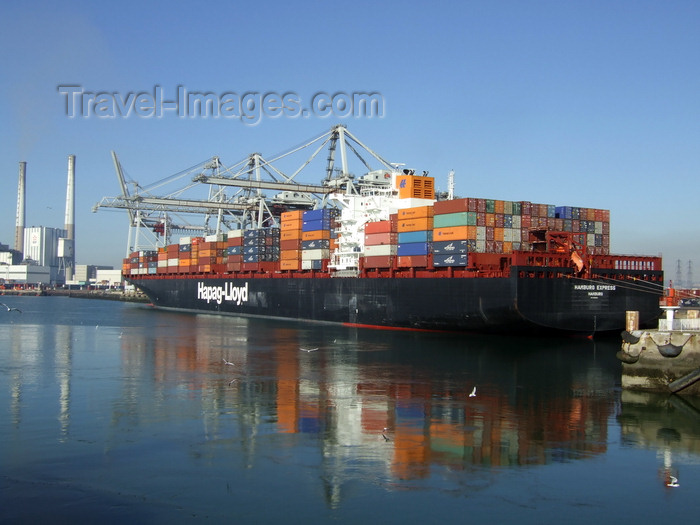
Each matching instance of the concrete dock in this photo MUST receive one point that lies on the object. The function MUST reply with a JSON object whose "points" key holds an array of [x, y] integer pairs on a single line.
{"points": [[665, 360]]}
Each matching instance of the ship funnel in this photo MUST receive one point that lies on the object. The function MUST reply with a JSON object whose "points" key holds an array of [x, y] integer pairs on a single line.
{"points": [[19, 223]]}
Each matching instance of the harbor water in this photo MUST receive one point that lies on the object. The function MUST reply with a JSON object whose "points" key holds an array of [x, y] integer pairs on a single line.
{"points": [[115, 412]]}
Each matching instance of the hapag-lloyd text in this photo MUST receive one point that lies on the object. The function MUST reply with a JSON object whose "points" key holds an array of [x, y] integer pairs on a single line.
{"points": [[219, 294]]}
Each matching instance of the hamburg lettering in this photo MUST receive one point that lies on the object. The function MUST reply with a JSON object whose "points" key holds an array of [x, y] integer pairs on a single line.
{"points": [[218, 294], [593, 287]]}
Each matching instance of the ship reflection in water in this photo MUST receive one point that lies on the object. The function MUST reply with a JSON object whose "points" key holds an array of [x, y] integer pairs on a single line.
{"points": [[160, 414], [396, 400]]}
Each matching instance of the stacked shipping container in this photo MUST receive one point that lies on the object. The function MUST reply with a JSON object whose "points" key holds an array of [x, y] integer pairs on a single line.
{"points": [[317, 235], [381, 243], [415, 235], [447, 230]]}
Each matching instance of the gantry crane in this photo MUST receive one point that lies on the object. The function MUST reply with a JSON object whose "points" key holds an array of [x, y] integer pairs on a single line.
{"points": [[152, 216]]}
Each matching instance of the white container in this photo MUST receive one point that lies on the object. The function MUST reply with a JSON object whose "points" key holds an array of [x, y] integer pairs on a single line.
{"points": [[310, 255], [380, 249]]}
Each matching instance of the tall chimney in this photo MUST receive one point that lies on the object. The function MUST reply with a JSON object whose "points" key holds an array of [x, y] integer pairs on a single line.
{"points": [[19, 223], [70, 217]]}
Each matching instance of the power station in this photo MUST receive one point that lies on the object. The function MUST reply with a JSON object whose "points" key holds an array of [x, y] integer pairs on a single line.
{"points": [[41, 255]]}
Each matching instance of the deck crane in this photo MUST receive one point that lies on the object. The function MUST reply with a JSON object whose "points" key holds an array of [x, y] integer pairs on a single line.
{"points": [[249, 206]]}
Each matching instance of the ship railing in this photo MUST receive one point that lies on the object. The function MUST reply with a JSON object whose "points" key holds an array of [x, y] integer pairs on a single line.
{"points": [[679, 324]]}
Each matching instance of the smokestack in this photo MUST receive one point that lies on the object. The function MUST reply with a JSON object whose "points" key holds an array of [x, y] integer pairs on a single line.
{"points": [[19, 223], [70, 217]]}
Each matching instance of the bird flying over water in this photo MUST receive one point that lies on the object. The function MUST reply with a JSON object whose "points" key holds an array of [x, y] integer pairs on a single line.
{"points": [[473, 392], [673, 482], [308, 349], [228, 363], [11, 308]]}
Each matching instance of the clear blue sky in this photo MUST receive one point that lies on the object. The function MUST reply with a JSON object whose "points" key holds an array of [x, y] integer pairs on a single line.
{"points": [[577, 103]]}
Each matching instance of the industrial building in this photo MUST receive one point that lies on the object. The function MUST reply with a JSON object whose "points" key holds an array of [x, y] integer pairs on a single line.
{"points": [[45, 256]]}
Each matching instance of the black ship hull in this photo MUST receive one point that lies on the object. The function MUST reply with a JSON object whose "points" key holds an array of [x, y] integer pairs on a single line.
{"points": [[519, 303]]}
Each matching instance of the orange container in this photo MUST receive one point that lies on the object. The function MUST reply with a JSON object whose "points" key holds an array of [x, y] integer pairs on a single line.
{"points": [[498, 234], [415, 225], [294, 224], [288, 235], [290, 254], [289, 264], [415, 213], [292, 215], [453, 233], [315, 235]]}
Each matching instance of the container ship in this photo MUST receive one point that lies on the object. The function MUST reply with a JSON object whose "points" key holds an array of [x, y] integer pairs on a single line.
{"points": [[382, 251]]}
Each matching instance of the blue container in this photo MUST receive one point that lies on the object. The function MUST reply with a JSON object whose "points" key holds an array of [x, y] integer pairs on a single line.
{"points": [[261, 233], [317, 215], [312, 226], [563, 212], [419, 236], [234, 250], [321, 244], [413, 248], [455, 259], [450, 247], [254, 241]]}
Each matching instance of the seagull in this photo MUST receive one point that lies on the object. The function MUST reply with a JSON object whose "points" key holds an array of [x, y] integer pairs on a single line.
{"points": [[384, 435], [308, 349], [473, 392], [11, 309], [228, 363], [673, 482]]}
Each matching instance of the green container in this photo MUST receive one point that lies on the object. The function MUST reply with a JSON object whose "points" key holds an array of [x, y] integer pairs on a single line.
{"points": [[447, 220]]}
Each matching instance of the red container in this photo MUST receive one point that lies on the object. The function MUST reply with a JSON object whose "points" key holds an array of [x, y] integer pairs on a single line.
{"points": [[378, 261], [377, 239], [234, 241], [453, 206], [378, 227], [412, 261], [292, 244]]}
